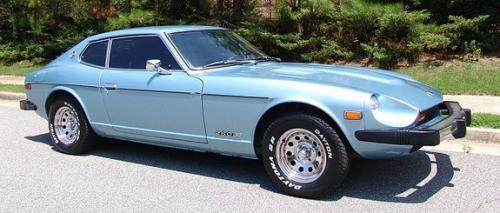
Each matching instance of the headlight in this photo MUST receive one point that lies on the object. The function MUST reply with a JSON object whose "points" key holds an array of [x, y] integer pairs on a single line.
{"points": [[374, 103], [392, 112]]}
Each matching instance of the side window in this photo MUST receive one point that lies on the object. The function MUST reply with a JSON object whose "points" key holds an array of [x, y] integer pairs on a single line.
{"points": [[96, 54], [132, 53]]}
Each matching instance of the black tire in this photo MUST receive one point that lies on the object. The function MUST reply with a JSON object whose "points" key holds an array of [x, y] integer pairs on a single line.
{"points": [[337, 159], [86, 140]]}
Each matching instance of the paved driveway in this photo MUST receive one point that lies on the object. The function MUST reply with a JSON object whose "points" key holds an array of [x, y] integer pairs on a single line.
{"points": [[128, 177]]}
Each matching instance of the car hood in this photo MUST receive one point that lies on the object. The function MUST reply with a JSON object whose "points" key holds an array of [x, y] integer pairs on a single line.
{"points": [[388, 83]]}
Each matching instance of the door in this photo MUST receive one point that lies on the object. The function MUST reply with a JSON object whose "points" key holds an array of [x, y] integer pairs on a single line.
{"points": [[145, 103]]}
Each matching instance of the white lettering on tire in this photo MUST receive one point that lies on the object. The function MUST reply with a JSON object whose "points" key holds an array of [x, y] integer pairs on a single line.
{"points": [[52, 133], [325, 142], [271, 144], [282, 178]]}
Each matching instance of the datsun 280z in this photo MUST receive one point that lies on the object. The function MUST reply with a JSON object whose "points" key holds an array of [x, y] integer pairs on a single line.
{"points": [[207, 89]]}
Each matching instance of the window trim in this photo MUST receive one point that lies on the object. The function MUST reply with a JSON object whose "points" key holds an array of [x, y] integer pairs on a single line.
{"points": [[85, 49], [186, 62], [108, 57]]}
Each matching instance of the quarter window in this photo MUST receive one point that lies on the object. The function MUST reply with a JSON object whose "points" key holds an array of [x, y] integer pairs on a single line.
{"points": [[96, 54], [132, 53]]}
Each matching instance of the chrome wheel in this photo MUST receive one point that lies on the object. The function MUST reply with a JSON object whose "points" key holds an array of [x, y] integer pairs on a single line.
{"points": [[66, 125], [301, 155]]}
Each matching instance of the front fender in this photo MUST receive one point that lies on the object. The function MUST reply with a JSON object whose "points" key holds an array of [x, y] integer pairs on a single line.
{"points": [[332, 106], [275, 102]]}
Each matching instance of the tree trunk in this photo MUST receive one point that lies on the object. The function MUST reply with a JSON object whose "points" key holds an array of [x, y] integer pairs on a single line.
{"points": [[237, 11], [219, 10]]}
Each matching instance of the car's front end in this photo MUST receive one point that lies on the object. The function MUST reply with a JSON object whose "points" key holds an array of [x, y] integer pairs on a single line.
{"points": [[428, 127], [400, 115], [403, 115]]}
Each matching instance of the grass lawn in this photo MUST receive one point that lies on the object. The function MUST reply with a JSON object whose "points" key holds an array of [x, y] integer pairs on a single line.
{"points": [[12, 88], [18, 69], [460, 78], [486, 120]]}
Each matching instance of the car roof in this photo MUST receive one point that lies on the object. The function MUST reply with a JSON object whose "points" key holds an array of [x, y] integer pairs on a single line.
{"points": [[153, 30]]}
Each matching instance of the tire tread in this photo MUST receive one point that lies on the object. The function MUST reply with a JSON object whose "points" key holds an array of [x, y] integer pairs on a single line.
{"points": [[87, 140], [342, 165]]}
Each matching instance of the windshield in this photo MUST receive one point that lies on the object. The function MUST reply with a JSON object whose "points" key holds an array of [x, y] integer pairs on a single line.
{"points": [[202, 48]]}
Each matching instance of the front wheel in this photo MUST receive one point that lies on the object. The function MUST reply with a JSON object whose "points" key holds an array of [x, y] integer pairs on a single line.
{"points": [[304, 156], [69, 128]]}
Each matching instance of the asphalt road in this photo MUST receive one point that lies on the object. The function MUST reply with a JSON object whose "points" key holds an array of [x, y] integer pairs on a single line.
{"points": [[128, 177]]}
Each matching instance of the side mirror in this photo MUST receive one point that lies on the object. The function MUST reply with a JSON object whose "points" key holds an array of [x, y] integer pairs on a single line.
{"points": [[155, 65]]}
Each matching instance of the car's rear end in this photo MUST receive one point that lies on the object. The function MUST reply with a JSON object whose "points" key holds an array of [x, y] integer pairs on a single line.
{"points": [[36, 94]]}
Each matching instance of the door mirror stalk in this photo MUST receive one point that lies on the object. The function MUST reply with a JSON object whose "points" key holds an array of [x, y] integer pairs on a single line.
{"points": [[155, 65]]}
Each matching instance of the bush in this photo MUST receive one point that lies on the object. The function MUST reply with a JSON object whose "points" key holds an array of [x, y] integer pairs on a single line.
{"points": [[461, 30], [286, 46], [472, 51], [382, 56], [134, 18], [433, 42], [37, 52], [293, 47], [329, 52], [441, 10], [386, 32]]}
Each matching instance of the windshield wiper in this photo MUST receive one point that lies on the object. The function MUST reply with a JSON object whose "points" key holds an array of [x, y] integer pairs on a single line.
{"points": [[267, 58], [227, 62], [242, 61]]}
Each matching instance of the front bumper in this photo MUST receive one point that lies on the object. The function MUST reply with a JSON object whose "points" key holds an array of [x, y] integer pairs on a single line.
{"points": [[453, 125], [27, 105]]}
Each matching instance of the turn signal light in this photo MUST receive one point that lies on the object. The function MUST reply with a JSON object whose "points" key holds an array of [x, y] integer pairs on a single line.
{"points": [[421, 117], [27, 86], [353, 115]]}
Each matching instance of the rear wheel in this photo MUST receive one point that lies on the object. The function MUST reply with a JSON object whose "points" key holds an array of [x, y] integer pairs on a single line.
{"points": [[304, 156], [69, 128]]}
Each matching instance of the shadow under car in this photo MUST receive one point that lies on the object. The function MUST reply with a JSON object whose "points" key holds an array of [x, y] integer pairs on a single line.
{"points": [[411, 179]]}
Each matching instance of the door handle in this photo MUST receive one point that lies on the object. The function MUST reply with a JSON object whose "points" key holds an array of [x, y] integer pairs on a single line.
{"points": [[110, 86]]}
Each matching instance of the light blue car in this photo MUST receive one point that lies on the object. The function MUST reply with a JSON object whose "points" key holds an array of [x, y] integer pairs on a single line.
{"points": [[206, 89]]}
